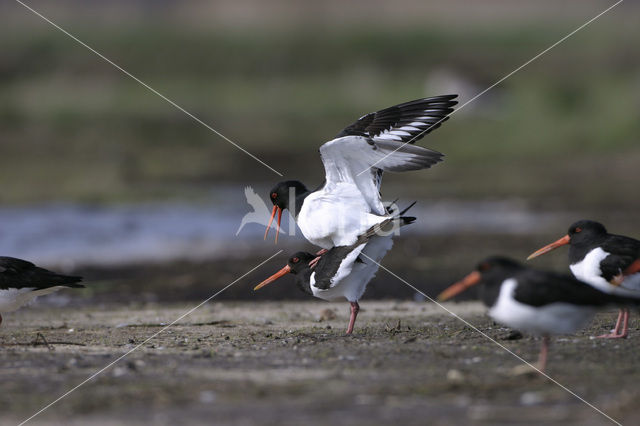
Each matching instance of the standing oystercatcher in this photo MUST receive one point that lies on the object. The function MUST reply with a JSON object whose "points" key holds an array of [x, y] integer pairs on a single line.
{"points": [[539, 302], [22, 281], [343, 271], [608, 262], [349, 201]]}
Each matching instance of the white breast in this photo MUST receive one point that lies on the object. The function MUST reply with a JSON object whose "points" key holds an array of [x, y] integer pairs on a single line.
{"points": [[588, 270], [555, 318]]}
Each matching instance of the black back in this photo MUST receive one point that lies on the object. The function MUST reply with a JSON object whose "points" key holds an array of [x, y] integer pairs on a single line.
{"points": [[539, 288], [18, 273]]}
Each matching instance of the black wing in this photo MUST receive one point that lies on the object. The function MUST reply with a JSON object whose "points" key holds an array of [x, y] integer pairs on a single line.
{"points": [[406, 122], [540, 288], [623, 252], [18, 273]]}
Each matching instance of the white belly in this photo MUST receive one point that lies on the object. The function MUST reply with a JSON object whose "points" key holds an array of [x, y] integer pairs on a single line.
{"points": [[336, 217], [555, 318], [14, 298]]}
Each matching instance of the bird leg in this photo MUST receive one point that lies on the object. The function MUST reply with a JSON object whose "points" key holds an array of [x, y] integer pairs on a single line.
{"points": [[623, 319], [542, 359], [625, 323], [0, 319], [355, 308]]}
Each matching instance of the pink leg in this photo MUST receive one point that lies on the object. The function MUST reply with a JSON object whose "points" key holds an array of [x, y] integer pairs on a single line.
{"points": [[355, 308], [542, 359], [623, 318], [625, 323]]}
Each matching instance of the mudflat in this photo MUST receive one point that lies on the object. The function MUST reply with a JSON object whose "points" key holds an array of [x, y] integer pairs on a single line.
{"points": [[290, 363]]}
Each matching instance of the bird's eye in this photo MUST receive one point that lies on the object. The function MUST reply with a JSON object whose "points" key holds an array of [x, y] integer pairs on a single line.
{"points": [[295, 260], [578, 230], [274, 195], [484, 266]]}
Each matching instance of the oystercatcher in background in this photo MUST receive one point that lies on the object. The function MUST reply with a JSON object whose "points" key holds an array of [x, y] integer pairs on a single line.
{"points": [[538, 302], [22, 281], [343, 271], [608, 262], [349, 201]]}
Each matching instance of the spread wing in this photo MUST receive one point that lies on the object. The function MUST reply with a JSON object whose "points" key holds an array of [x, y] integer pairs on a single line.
{"points": [[406, 122], [385, 132], [357, 160]]}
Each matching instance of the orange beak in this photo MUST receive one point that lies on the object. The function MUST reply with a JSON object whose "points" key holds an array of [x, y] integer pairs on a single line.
{"points": [[281, 273], [471, 279], [273, 214], [554, 245]]}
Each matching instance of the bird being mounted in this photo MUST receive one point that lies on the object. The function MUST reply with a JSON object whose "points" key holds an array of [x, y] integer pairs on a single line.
{"points": [[343, 272]]}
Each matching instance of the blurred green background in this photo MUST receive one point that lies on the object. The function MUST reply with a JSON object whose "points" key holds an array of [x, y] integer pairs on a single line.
{"points": [[279, 78]]}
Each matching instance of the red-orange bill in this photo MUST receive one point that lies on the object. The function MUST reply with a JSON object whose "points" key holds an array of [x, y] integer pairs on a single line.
{"points": [[273, 214], [457, 288], [554, 245], [281, 273]]}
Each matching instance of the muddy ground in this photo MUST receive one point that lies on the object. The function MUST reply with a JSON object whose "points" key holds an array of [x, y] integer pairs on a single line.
{"points": [[290, 363]]}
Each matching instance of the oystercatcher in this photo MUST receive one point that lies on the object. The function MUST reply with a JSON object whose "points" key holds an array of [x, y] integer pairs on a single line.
{"points": [[343, 271], [22, 281], [608, 262], [349, 201], [539, 302]]}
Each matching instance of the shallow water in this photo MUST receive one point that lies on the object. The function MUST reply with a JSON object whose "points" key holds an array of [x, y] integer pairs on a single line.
{"points": [[68, 235]]}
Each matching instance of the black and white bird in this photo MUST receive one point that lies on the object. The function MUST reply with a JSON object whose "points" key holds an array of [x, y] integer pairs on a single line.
{"points": [[608, 262], [534, 301], [349, 201], [343, 272], [22, 281]]}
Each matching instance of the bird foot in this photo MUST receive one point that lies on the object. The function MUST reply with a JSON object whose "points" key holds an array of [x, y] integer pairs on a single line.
{"points": [[612, 336]]}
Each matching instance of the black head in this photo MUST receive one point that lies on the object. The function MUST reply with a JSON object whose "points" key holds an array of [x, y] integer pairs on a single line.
{"points": [[491, 272], [586, 230], [497, 266], [281, 193], [582, 234], [299, 262]]}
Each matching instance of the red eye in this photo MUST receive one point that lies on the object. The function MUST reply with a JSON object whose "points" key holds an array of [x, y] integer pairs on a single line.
{"points": [[274, 195], [484, 266], [578, 230], [295, 260]]}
